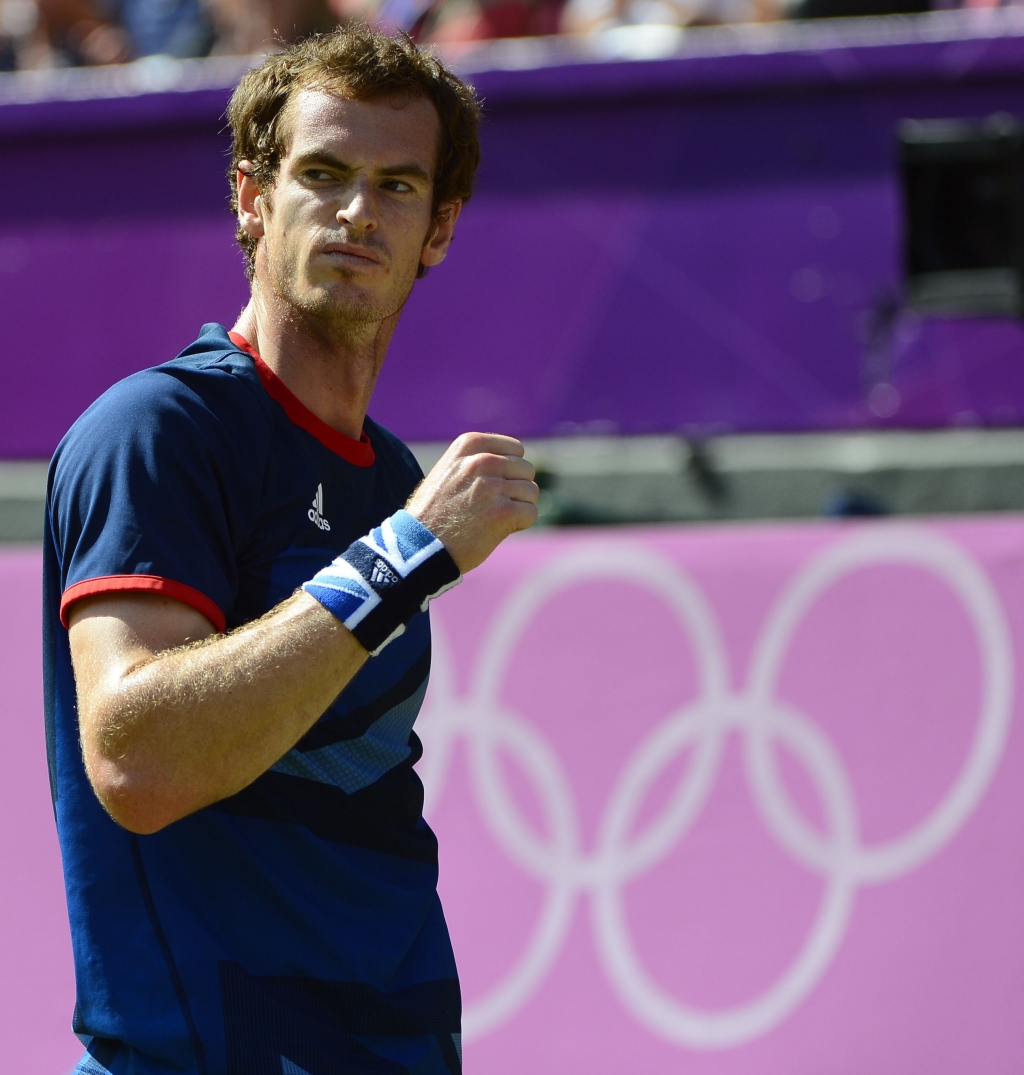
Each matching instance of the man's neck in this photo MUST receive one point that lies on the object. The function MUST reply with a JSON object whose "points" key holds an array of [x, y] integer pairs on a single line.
{"points": [[332, 371]]}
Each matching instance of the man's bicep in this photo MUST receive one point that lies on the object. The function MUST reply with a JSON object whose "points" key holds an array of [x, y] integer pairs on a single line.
{"points": [[112, 633]]}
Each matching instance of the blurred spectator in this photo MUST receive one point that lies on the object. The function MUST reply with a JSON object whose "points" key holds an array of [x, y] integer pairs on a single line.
{"points": [[585, 16], [453, 21], [76, 32], [168, 27], [18, 21], [243, 27], [73, 33]]}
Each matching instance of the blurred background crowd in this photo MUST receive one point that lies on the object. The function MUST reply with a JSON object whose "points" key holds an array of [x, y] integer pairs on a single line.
{"points": [[38, 34]]}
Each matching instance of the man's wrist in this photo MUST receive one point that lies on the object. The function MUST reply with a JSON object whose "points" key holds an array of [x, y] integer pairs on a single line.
{"points": [[384, 579]]}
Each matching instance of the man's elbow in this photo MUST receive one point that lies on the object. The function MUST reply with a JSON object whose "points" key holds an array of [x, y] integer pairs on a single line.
{"points": [[140, 805], [142, 823]]}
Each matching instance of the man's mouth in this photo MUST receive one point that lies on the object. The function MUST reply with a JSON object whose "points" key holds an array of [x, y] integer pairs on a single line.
{"points": [[352, 255]]}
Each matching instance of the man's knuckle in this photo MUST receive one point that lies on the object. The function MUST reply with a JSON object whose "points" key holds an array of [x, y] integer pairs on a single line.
{"points": [[473, 468]]}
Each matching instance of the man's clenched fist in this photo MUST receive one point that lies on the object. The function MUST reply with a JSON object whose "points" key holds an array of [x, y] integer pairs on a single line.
{"points": [[480, 491]]}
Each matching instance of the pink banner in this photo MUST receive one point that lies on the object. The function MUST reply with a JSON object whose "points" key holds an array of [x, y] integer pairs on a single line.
{"points": [[715, 800], [37, 983]]}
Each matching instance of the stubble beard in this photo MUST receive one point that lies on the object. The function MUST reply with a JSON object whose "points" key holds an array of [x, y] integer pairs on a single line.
{"points": [[349, 316]]}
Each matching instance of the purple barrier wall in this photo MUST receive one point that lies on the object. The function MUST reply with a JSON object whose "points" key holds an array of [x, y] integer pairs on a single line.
{"points": [[695, 243], [734, 801]]}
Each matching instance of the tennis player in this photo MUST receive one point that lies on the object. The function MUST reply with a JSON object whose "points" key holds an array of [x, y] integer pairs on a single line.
{"points": [[238, 568]]}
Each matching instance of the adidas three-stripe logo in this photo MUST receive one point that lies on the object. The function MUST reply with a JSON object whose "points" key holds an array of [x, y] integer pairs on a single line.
{"points": [[381, 573], [316, 512]]}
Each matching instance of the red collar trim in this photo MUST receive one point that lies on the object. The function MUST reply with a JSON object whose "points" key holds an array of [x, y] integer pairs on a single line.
{"points": [[359, 452]]}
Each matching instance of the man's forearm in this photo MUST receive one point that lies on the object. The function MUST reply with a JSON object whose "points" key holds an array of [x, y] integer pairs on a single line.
{"points": [[167, 733]]}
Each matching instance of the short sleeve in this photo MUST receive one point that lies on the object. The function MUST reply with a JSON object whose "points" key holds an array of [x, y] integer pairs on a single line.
{"points": [[156, 488]]}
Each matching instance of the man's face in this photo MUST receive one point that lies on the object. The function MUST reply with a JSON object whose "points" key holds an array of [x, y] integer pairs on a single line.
{"points": [[349, 219]]}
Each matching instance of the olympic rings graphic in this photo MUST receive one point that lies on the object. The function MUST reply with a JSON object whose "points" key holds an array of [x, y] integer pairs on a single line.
{"points": [[842, 859]]}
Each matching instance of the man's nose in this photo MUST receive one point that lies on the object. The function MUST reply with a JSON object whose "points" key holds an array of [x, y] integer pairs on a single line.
{"points": [[358, 210]]}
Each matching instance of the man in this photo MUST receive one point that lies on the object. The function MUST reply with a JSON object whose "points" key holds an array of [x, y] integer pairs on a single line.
{"points": [[251, 884]]}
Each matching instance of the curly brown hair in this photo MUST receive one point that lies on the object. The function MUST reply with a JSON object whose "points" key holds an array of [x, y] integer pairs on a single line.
{"points": [[364, 64]]}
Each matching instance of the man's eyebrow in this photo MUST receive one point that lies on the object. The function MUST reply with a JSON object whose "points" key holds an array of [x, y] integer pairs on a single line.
{"points": [[315, 157], [409, 169]]}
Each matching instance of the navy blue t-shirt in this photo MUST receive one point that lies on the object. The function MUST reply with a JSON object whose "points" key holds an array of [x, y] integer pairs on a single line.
{"points": [[294, 927]]}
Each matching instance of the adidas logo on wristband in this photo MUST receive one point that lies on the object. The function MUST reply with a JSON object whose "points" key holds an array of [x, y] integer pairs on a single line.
{"points": [[384, 579], [382, 575]]}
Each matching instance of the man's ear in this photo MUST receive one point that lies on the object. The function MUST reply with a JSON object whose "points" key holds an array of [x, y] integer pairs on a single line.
{"points": [[251, 209], [440, 237]]}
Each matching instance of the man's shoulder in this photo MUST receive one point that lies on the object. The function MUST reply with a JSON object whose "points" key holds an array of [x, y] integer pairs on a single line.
{"points": [[210, 382], [211, 371], [203, 412]]}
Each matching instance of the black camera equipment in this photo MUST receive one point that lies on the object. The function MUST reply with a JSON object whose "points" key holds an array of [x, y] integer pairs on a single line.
{"points": [[963, 187]]}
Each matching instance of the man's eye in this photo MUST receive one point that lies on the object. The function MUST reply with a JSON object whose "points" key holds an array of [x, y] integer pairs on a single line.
{"points": [[398, 185], [317, 174]]}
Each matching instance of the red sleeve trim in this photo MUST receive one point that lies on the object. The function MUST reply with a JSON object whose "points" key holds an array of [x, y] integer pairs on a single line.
{"points": [[359, 452], [142, 584]]}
